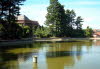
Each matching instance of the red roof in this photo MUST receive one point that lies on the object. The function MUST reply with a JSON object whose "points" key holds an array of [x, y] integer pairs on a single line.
{"points": [[23, 19], [96, 32]]}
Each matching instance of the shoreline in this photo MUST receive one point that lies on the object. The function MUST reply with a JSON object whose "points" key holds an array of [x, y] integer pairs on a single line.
{"points": [[48, 39], [16, 42], [31, 40], [63, 39]]}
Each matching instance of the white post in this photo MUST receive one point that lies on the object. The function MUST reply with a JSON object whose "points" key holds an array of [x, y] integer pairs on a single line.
{"points": [[35, 59]]}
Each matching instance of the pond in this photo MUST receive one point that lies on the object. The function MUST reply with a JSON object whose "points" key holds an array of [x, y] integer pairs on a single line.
{"points": [[52, 55]]}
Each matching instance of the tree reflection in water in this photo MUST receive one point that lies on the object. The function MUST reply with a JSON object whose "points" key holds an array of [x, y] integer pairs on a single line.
{"points": [[57, 54], [11, 56]]}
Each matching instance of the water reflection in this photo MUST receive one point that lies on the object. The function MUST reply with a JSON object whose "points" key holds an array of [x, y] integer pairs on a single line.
{"points": [[63, 53], [12, 56], [51, 55], [96, 42]]}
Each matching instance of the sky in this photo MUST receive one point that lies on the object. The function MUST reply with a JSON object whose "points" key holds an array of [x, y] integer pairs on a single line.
{"points": [[89, 10]]}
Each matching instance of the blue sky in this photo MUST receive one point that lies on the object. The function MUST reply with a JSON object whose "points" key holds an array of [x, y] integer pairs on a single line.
{"points": [[89, 10]]}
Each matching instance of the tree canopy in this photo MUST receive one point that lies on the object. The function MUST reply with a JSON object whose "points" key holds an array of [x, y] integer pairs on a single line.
{"points": [[55, 17], [9, 9], [63, 22]]}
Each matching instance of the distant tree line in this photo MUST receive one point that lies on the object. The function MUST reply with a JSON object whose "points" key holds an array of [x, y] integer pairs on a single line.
{"points": [[62, 23], [9, 29]]}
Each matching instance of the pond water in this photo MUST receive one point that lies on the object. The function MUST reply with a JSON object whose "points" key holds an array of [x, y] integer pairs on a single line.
{"points": [[52, 55]]}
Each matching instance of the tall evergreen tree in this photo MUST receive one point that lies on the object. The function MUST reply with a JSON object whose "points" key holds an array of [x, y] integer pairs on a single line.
{"points": [[78, 23], [9, 9], [61, 22], [56, 18], [70, 22], [78, 31], [53, 1]]}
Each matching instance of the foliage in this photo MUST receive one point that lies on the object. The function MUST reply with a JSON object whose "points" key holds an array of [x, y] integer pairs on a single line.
{"points": [[70, 22], [14, 32], [88, 32], [42, 32], [26, 31], [1, 27], [78, 23], [60, 23], [55, 18], [1, 30], [63, 23], [79, 32], [9, 11]]}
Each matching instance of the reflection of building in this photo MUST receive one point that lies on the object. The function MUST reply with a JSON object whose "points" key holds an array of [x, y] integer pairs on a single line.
{"points": [[25, 21], [97, 42], [96, 33]]}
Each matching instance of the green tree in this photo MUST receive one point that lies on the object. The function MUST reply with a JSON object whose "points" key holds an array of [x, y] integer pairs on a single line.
{"points": [[9, 9], [63, 23], [78, 23], [73, 24], [26, 31], [55, 18], [1, 30], [37, 32], [88, 32], [78, 31], [42, 32], [46, 32], [70, 22]]}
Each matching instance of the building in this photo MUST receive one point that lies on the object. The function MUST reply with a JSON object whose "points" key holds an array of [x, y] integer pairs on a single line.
{"points": [[96, 33], [25, 21]]}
